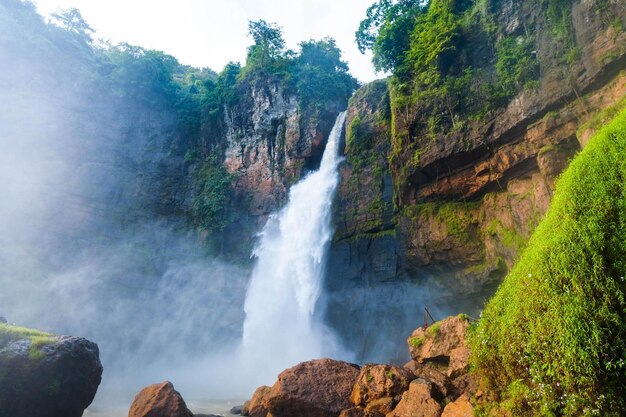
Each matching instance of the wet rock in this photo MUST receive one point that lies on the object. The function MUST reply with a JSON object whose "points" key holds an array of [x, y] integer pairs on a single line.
{"points": [[237, 410], [418, 401], [459, 408], [318, 388], [159, 400], [380, 381], [43, 375]]}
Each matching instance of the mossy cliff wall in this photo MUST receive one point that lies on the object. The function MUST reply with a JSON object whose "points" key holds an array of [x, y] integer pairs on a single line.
{"points": [[451, 210]]}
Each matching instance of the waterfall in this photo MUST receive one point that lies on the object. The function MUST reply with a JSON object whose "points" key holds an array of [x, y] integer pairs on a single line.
{"points": [[280, 329]]}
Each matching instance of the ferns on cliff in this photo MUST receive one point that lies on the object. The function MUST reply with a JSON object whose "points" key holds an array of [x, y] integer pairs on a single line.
{"points": [[552, 341]]}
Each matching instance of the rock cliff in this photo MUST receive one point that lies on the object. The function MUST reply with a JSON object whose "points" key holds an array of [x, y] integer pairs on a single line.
{"points": [[451, 211]]}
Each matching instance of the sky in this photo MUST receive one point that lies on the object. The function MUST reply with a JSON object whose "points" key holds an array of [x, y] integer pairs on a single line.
{"points": [[210, 33]]}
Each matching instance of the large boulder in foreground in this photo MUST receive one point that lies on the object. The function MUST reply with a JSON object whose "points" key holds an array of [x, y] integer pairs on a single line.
{"points": [[159, 400], [42, 375], [318, 388]]}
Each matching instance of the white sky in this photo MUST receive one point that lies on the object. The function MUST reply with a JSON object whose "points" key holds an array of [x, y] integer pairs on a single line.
{"points": [[209, 33]]}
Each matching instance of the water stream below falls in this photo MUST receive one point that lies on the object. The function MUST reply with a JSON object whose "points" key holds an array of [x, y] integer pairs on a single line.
{"points": [[281, 328]]}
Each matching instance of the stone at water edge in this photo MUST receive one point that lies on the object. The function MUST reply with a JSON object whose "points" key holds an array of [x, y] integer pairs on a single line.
{"points": [[317, 388], [42, 375], [159, 400], [237, 410], [256, 407]]}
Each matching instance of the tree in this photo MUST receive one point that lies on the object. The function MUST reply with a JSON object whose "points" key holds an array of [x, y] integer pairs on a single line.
{"points": [[386, 31], [72, 21], [268, 43]]}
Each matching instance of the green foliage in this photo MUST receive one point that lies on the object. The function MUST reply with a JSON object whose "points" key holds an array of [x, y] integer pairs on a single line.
{"points": [[552, 341], [416, 341], [320, 75], [268, 49], [516, 65], [386, 30], [72, 21], [213, 196], [434, 330]]}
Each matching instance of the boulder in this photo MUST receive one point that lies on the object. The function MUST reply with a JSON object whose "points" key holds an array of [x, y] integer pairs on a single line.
{"points": [[418, 401], [318, 388], [257, 407], [443, 343], [380, 407], [159, 400], [460, 408], [236, 410], [433, 374], [380, 381], [42, 375]]}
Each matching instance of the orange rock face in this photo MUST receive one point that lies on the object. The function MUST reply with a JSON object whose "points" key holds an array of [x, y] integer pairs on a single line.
{"points": [[159, 400]]}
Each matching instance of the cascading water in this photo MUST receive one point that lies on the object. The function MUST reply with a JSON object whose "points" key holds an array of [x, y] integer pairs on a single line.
{"points": [[280, 329]]}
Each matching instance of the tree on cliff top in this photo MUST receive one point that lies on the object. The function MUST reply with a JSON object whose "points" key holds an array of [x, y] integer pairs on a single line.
{"points": [[268, 46]]}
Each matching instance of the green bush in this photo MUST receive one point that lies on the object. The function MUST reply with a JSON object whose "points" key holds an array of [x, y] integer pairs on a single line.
{"points": [[552, 340]]}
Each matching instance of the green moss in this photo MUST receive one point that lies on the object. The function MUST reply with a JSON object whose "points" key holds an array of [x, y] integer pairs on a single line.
{"points": [[552, 341], [509, 237], [434, 330], [458, 217], [416, 342], [603, 117], [9, 333], [37, 339]]}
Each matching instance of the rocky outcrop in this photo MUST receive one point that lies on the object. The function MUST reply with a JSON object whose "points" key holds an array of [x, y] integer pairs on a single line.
{"points": [[451, 214], [270, 141], [159, 400], [42, 375], [436, 381]]}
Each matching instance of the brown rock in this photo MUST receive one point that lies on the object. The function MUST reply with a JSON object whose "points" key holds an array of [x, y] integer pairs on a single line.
{"points": [[418, 401], [380, 407], [380, 381], [257, 407], [353, 412], [159, 400], [460, 408], [443, 343], [431, 373], [318, 388]]}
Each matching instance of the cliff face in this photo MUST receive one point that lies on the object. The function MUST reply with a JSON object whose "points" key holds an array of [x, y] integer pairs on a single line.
{"points": [[463, 211], [271, 141]]}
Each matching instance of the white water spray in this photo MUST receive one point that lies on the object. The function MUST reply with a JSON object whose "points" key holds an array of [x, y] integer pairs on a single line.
{"points": [[280, 329]]}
